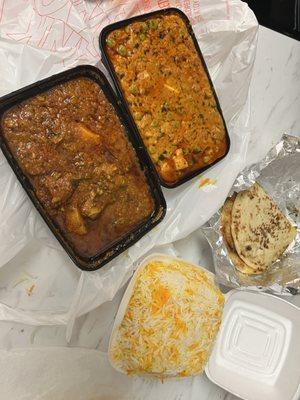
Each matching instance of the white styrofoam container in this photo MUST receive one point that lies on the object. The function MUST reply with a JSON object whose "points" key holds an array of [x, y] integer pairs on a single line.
{"points": [[127, 295], [257, 352]]}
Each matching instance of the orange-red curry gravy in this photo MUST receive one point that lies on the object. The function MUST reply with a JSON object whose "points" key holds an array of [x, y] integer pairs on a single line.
{"points": [[72, 146], [169, 95]]}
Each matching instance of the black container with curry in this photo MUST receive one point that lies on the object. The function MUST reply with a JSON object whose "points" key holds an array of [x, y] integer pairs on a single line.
{"points": [[70, 146], [159, 71]]}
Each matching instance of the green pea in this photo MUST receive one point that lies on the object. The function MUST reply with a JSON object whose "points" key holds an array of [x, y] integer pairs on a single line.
{"points": [[196, 150], [153, 23], [144, 28], [142, 37], [154, 124], [134, 90], [175, 124], [169, 116], [137, 116], [122, 50], [110, 42], [206, 159], [152, 149], [161, 157], [181, 31]]}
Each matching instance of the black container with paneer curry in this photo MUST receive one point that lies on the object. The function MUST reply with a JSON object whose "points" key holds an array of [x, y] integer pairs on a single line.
{"points": [[160, 73], [72, 150]]}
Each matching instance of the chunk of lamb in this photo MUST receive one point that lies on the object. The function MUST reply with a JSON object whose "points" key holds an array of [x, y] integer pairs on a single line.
{"points": [[92, 198], [59, 186], [74, 221]]}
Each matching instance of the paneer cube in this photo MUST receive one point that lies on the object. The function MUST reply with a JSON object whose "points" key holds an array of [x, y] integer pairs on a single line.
{"points": [[179, 160], [165, 167]]}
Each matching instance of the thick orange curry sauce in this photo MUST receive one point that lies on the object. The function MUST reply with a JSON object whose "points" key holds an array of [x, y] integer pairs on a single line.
{"points": [[169, 95]]}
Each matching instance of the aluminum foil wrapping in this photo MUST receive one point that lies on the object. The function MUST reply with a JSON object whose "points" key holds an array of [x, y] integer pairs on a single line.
{"points": [[279, 174]]}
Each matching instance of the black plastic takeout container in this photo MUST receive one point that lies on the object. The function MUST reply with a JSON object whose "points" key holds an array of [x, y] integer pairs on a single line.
{"points": [[108, 64], [90, 72]]}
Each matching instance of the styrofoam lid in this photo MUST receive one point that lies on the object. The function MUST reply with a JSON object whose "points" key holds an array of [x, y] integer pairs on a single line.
{"points": [[257, 352]]}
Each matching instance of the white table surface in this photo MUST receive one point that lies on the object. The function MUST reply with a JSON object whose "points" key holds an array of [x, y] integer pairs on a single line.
{"points": [[275, 88], [275, 95]]}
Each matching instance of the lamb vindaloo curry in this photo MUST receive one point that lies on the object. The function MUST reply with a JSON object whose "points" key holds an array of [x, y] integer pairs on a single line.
{"points": [[72, 146], [169, 94]]}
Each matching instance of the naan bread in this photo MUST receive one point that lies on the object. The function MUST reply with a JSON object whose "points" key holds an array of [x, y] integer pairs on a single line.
{"points": [[241, 266], [226, 221], [261, 233], [226, 232]]}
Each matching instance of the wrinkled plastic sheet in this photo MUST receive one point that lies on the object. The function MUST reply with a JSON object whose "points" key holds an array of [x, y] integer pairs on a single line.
{"points": [[279, 174], [39, 284], [75, 374]]}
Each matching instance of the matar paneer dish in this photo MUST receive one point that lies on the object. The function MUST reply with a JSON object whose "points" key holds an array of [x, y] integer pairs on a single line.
{"points": [[169, 94]]}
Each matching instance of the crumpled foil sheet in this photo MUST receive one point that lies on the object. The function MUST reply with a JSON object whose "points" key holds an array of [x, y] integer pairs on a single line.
{"points": [[279, 174]]}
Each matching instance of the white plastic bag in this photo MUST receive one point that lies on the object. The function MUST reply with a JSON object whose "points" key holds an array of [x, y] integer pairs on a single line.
{"points": [[78, 374], [38, 38]]}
